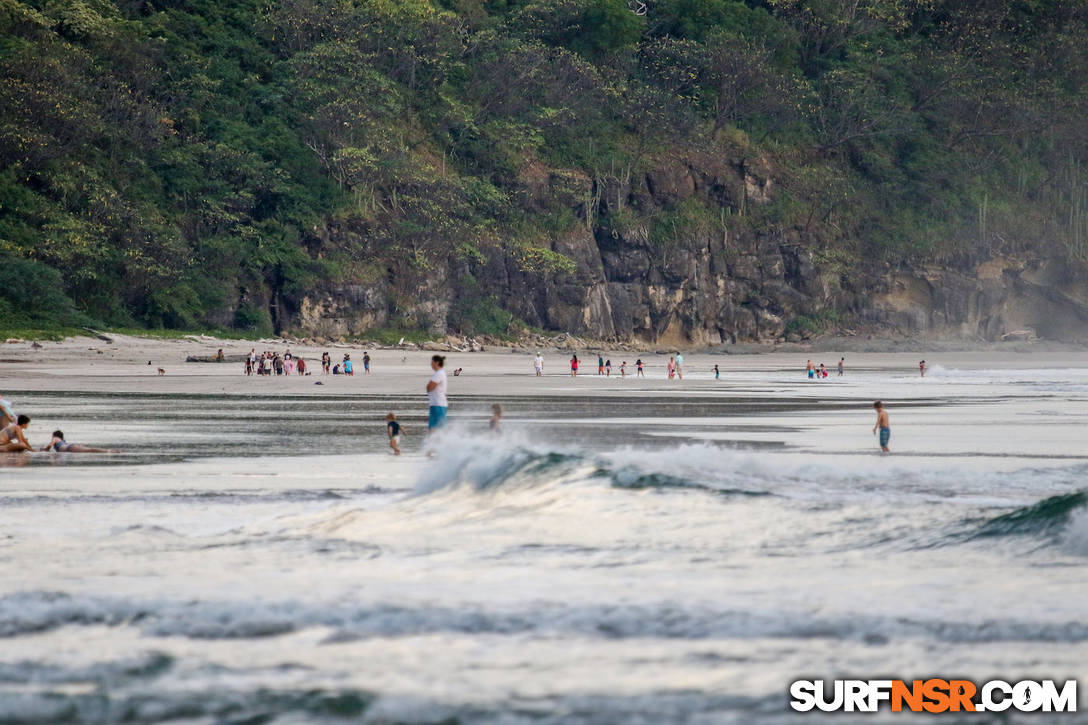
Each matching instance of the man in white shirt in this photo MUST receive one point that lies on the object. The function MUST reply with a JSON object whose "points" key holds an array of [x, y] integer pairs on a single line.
{"points": [[538, 364], [679, 366], [436, 392]]}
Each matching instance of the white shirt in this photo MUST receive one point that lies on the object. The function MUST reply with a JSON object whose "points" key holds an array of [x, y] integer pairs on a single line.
{"points": [[679, 359], [438, 395], [538, 362]]}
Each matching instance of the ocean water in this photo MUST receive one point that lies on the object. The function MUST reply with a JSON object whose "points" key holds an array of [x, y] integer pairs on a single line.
{"points": [[676, 555]]}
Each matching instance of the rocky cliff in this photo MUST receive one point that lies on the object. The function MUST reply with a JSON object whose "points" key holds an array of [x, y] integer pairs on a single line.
{"points": [[726, 280]]}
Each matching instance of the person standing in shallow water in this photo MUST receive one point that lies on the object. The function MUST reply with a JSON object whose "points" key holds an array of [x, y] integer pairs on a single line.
{"points": [[922, 368], [394, 431], [842, 364], [882, 425], [436, 393]]}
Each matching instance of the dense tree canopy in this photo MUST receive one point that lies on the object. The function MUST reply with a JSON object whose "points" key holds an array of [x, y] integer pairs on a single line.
{"points": [[185, 163]]}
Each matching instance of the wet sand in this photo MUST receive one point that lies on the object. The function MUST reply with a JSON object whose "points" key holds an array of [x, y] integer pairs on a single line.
{"points": [[626, 550]]}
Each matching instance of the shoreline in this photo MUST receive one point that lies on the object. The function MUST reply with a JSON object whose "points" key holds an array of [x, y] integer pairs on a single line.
{"points": [[559, 343]]}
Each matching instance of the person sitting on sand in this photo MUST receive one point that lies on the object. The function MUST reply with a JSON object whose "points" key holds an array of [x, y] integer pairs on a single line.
{"points": [[59, 445], [392, 427], [496, 417], [219, 356], [823, 371], [883, 425], [7, 416], [13, 437]]}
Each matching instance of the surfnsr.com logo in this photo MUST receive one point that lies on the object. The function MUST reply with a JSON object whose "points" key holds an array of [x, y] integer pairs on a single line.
{"points": [[933, 695]]}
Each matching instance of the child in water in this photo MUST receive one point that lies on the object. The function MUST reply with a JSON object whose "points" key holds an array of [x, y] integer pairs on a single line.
{"points": [[59, 445], [717, 375], [496, 418], [392, 427], [883, 425]]}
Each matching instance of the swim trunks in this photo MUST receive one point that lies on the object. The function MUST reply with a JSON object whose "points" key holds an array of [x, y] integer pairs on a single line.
{"points": [[885, 434]]}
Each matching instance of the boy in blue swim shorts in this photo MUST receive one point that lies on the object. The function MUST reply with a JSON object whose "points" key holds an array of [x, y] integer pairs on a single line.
{"points": [[882, 425]]}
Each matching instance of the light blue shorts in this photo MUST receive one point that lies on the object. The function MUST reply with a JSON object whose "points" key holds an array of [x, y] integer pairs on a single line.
{"points": [[437, 418], [885, 434]]}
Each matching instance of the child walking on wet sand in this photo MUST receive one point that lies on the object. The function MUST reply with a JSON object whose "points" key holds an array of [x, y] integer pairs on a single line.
{"points": [[883, 425], [392, 427]]}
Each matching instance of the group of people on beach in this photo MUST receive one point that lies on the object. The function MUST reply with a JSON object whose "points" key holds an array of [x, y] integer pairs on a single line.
{"points": [[13, 427], [604, 367], [271, 362], [820, 372]]}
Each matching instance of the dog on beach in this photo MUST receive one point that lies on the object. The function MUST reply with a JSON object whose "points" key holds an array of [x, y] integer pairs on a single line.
{"points": [[162, 372]]}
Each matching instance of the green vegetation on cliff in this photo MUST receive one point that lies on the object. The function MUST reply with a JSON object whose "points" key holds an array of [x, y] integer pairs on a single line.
{"points": [[188, 163]]}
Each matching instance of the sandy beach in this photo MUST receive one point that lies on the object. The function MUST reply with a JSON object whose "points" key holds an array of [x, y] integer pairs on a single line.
{"points": [[623, 550]]}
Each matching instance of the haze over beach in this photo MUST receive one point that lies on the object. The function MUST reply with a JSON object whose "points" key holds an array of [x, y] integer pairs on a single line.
{"points": [[623, 550]]}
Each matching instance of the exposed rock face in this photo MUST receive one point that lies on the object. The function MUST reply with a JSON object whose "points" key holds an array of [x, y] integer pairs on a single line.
{"points": [[1004, 296], [721, 283], [344, 310]]}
